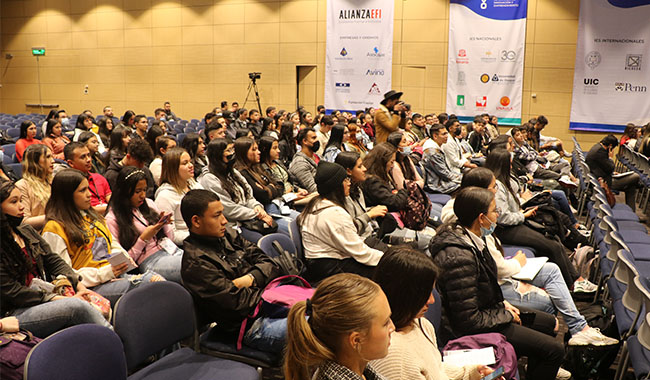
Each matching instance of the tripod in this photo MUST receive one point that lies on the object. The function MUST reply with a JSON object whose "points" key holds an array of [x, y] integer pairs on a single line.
{"points": [[253, 86]]}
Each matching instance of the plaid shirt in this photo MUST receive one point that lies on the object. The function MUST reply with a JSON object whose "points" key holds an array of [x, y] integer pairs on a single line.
{"points": [[333, 371]]}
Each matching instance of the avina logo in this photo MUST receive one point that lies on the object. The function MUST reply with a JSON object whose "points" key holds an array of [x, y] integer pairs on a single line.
{"points": [[354, 14], [375, 72], [483, 4]]}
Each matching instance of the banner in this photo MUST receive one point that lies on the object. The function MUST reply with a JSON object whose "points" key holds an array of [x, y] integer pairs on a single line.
{"points": [[611, 77], [486, 59], [359, 53]]}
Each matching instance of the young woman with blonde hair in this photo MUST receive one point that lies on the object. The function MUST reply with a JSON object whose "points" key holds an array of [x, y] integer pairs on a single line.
{"points": [[348, 325], [35, 186]]}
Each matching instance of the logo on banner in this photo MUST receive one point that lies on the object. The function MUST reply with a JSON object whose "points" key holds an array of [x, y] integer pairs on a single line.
{"points": [[505, 104], [342, 87], [485, 78], [461, 78], [481, 101], [488, 58], [508, 55], [460, 100], [360, 14], [462, 57], [629, 87], [593, 59], [374, 90], [375, 53], [590, 86], [633, 62], [379, 72], [343, 52]]}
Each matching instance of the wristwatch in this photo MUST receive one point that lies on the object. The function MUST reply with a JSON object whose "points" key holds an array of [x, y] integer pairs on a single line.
{"points": [[253, 278]]}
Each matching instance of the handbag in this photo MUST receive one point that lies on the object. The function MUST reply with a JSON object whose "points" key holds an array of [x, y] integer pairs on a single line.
{"points": [[260, 226], [14, 348], [611, 199]]}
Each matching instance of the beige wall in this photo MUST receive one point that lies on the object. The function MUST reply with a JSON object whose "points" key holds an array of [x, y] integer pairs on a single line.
{"points": [[138, 53]]}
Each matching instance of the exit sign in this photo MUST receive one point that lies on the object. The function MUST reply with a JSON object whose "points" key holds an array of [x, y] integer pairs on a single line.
{"points": [[38, 51]]}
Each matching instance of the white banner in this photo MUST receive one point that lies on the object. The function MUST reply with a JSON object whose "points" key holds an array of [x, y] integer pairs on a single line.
{"points": [[612, 78], [486, 59], [359, 53]]}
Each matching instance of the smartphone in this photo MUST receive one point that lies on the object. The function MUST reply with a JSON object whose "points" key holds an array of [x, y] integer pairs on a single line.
{"points": [[527, 318], [165, 218], [494, 375]]}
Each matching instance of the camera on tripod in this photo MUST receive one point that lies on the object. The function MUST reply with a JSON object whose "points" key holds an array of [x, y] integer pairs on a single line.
{"points": [[254, 76]]}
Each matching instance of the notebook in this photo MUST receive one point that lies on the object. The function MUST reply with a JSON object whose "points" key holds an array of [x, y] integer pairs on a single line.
{"points": [[532, 267]]}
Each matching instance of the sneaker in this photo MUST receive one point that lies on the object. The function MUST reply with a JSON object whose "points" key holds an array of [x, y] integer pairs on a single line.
{"points": [[563, 374], [565, 181], [573, 210], [591, 337], [584, 286]]}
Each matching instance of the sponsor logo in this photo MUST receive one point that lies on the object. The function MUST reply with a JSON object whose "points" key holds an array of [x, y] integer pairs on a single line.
{"points": [[379, 72], [488, 58], [590, 86], [461, 78], [590, 81], [375, 53], [343, 52], [462, 57], [374, 90], [502, 79], [508, 56], [481, 101], [505, 101], [346, 71], [593, 59], [629, 87], [460, 100], [633, 62], [342, 87], [485, 78], [483, 4], [360, 14]]}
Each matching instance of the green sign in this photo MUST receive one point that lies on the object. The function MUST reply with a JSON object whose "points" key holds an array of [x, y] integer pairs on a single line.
{"points": [[38, 51]]}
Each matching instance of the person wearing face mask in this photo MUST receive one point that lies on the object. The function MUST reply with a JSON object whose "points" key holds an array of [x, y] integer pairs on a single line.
{"points": [[355, 141], [471, 296], [452, 149], [303, 166], [26, 257], [440, 178], [403, 169]]}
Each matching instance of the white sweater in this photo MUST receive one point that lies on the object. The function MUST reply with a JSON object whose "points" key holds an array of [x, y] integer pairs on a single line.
{"points": [[329, 232], [169, 200]]}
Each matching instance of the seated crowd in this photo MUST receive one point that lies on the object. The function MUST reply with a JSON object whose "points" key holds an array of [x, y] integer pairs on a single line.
{"points": [[389, 204]]}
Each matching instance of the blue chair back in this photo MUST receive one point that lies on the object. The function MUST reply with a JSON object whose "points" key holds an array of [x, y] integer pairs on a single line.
{"points": [[14, 133], [266, 244], [294, 232], [434, 315], [153, 317], [17, 169], [79, 352]]}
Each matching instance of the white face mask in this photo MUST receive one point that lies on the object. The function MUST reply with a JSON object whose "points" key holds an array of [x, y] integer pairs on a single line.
{"points": [[65, 121]]}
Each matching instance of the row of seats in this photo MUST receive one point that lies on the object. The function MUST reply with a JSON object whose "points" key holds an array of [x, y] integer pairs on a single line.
{"points": [[623, 265], [629, 160]]}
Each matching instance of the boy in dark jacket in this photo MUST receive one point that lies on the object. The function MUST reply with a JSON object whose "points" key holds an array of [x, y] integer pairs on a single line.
{"points": [[226, 274]]}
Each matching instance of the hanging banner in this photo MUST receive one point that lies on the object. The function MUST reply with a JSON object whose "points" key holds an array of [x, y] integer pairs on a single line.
{"points": [[611, 79], [486, 59], [359, 53]]}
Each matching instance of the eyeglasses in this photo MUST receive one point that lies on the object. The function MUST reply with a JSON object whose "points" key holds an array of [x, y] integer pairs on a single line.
{"points": [[497, 211]]}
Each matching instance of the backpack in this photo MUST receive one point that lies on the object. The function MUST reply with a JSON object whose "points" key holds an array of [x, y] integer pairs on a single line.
{"points": [[277, 299], [14, 348], [418, 208], [582, 258], [290, 264]]}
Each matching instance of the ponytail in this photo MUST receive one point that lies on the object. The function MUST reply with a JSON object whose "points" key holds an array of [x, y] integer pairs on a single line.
{"points": [[339, 307]]}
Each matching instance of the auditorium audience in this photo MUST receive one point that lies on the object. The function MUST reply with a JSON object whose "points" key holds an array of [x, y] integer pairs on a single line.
{"points": [[452, 149], [273, 167], [105, 129], [91, 142], [287, 141], [303, 166], [439, 176], [138, 154], [35, 184], [356, 140], [403, 168], [119, 140], [348, 325], [77, 233], [388, 117], [140, 125], [194, 145], [27, 259], [163, 144], [339, 135], [324, 132], [379, 187], [27, 138], [77, 156], [55, 139]]}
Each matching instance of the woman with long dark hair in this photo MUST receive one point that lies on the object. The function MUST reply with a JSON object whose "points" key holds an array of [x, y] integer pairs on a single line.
{"points": [[80, 236], [379, 185], [287, 143], [104, 129], [163, 144], [273, 167], [234, 191], [55, 139], [471, 297], [92, 143], [128, 120], [119, 140], [269, 128], [26, 257], [194, 145], [27, 137], [403, 169], [85, 123], [330, 239], [141, 228], [335, 145]]}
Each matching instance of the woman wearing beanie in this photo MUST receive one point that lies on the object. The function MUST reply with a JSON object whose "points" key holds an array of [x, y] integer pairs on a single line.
{"points": [[330, 239]]}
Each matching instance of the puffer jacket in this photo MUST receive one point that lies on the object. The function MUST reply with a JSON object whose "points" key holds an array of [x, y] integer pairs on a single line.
{"points": [[208, 268], [471, 297], [378, 192]]}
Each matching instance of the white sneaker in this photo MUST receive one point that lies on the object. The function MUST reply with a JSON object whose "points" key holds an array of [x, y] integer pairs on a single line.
{"points": [[591, 337], [563, 374], [573, 210], [566, 182], [584, 286]]}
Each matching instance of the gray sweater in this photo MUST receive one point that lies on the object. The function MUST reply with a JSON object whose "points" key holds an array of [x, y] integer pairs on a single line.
{"points": [[302, 171], [233, 211]]}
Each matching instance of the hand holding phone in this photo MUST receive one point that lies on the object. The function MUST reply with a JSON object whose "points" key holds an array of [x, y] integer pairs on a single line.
{"points": [[494, 375]]}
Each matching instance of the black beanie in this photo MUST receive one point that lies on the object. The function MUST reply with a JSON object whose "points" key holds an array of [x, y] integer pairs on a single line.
{"points": [[329, 176]]}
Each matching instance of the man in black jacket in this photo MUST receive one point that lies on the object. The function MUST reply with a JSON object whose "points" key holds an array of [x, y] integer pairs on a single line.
{"points": [[225, 274], [601, 165]]}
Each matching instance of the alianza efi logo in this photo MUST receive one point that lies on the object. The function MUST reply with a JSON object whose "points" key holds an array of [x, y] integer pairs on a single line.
{"points": [[360, 14]]}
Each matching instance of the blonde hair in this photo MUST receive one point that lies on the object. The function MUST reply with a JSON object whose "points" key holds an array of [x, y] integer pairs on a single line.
{"points": [[34, 174], [171, 161], [339, 306]]}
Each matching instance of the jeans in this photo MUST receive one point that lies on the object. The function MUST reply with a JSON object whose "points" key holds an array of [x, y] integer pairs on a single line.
{"points": [[282, 220], [267, 334], [166, 265], [50, 317], [562, 203], [556, 297], [320, 269], [114, 289]]}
